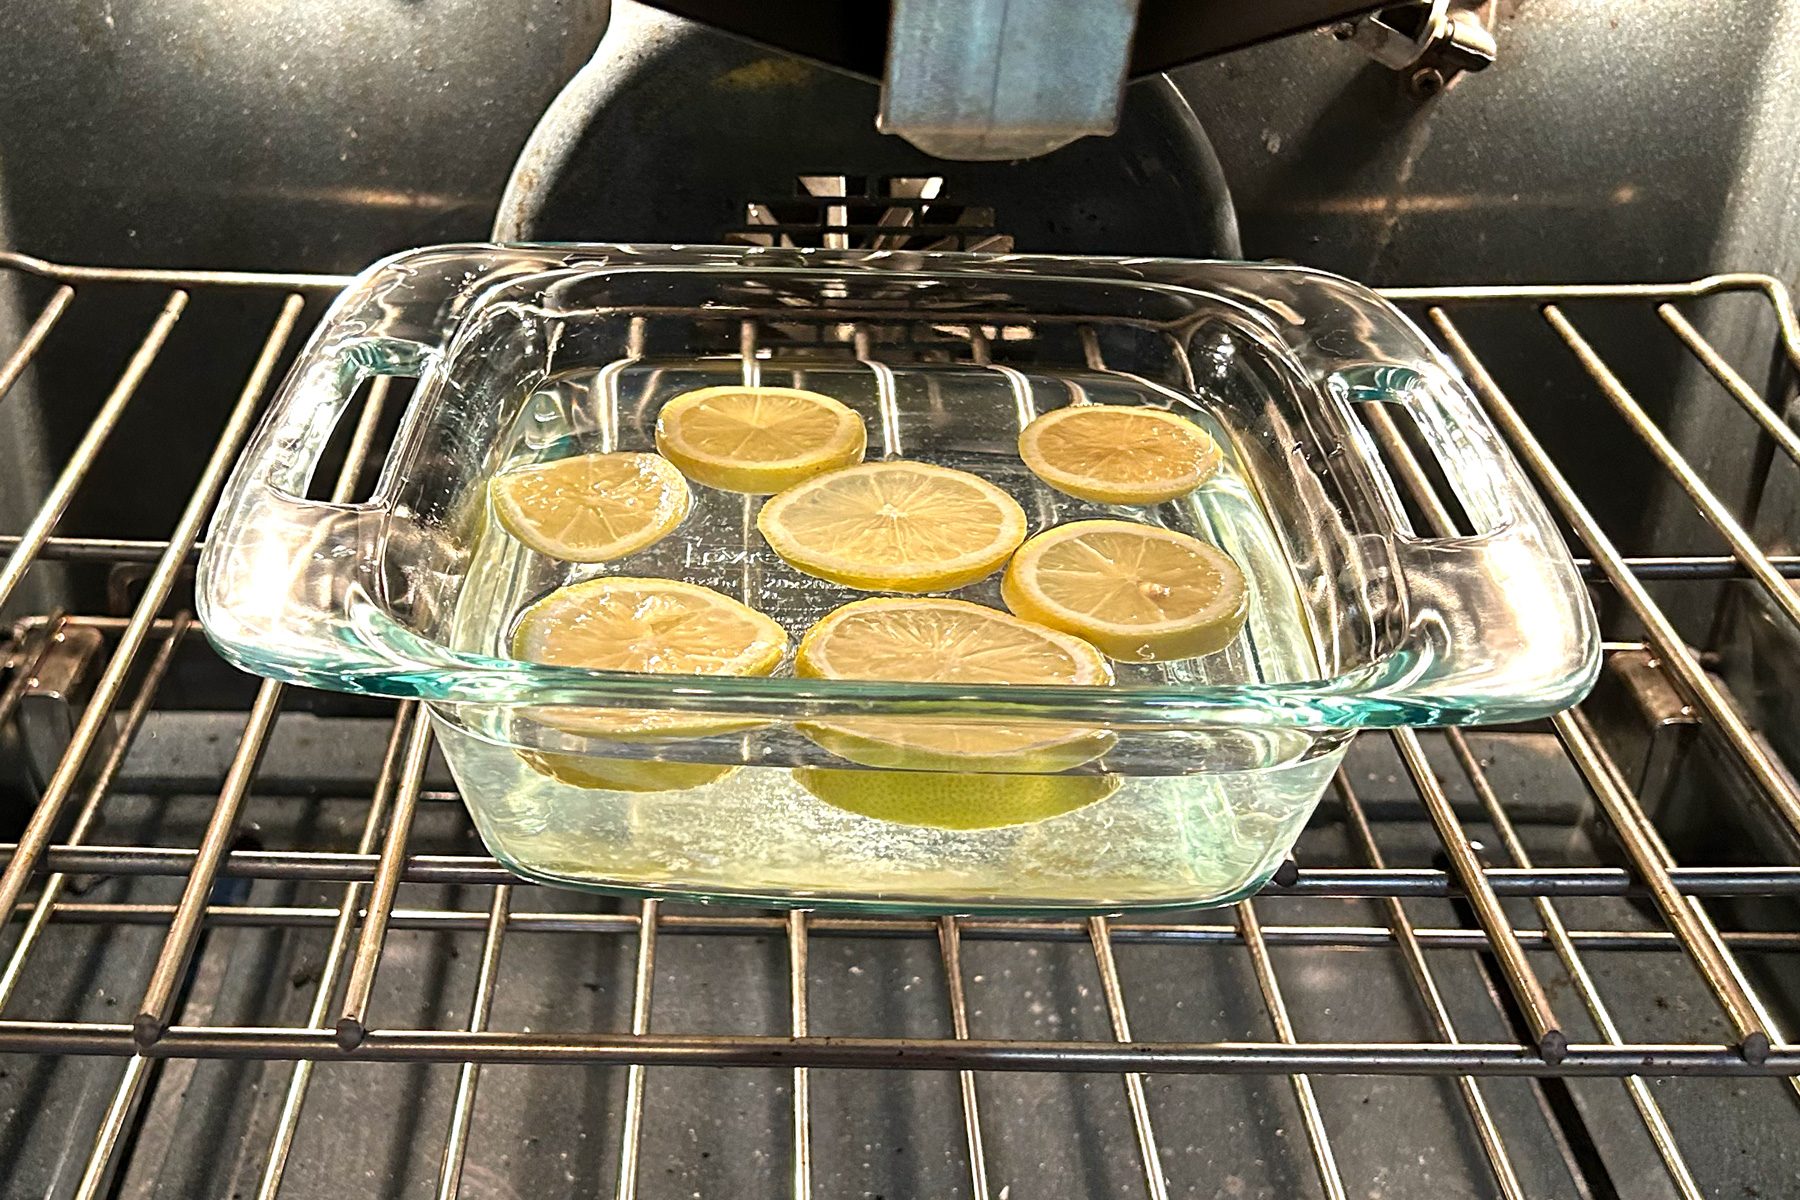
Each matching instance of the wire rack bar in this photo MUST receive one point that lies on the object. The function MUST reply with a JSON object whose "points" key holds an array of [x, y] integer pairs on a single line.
{"points": [[1734, 384], [462, 1111], [352, 1020], [35, 335], [155, 1010], [63, 272], [1690, 924], [874, 1053], [1743, 546], [121, 1113], [1156, 1183], [24, 859], [1711, 285], [1666, 566], [87, 450], [1317, 1140], [950, 949], [802, 1164], [642, 984], [1321, 936], [346, 867], [1515, 969]]}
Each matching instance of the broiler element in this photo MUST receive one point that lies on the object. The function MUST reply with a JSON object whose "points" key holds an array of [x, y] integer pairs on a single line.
{"points": [[850, 212]]}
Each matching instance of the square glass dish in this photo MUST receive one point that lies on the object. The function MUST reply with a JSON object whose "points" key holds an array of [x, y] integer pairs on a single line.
{"points": [[1196, 776]]}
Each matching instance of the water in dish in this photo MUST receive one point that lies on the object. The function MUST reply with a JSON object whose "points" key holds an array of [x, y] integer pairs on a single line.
{"points": [[955, 534]]}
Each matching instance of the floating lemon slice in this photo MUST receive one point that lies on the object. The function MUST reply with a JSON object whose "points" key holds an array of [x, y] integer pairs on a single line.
{"points": [[655, 625], [949, 641], [758, 440], [946, 800], [942, 641], [592, 507], [624, 774], [1115, 454], [1139, 593], [894, 526]]}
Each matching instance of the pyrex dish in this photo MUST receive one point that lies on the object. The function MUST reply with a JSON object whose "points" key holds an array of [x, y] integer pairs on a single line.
{"points": [[526, 354]]}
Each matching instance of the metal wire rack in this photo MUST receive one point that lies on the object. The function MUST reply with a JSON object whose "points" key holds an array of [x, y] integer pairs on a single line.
{"points": [[1482, 888]]}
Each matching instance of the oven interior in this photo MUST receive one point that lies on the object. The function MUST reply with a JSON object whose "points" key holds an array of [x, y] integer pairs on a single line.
{"points": [[250, 945]]}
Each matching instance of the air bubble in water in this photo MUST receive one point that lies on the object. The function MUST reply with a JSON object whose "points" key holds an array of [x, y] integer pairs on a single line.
{"points": [[547, 421]]}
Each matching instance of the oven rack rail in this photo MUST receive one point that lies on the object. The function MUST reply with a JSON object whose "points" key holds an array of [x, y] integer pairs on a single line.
{"points": [[37, 869]]}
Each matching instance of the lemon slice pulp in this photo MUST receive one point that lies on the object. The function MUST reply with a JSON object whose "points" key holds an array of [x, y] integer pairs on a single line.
{"points": [[758, 440], [952, 800], [624, 774], [952, 774], [660, 626], [1114, 454], [1139, 593], [592, 507], [894, 526], [949, 641]]}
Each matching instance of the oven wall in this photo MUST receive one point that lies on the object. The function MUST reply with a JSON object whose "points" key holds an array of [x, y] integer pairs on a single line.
{"points": [[1610, 142]]}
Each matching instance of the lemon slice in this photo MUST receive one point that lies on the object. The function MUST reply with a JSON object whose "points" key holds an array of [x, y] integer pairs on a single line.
{"points": [[894, 526], [1140, 593], [592, 507], [1114, 454], [946, 800], [949, 641], [758, 439], [942, 641], [624, 774], [654, 625]]}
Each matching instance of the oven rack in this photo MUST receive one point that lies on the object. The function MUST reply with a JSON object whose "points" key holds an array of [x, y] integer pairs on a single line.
{"points": [[1523, 916]]}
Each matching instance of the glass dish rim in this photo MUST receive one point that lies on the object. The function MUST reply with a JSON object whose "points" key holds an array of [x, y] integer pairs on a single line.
{"points": [[383, 658]]}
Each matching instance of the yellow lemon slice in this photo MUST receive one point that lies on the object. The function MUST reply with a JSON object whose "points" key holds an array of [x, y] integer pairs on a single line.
{"points": [[949, 641], [947, 800], [1115, 454], [655, 625], [1140, 593], [624, 774], [942, 641], [592, 507], [894, 526], [758, 440]]}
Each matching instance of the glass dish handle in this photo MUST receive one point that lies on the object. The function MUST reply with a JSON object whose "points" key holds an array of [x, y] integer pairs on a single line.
{"points": [[1500, 627], [282, 576]]}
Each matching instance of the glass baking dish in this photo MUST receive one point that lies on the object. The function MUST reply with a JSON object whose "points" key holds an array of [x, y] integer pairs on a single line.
{"points": [[1195, 777]]}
